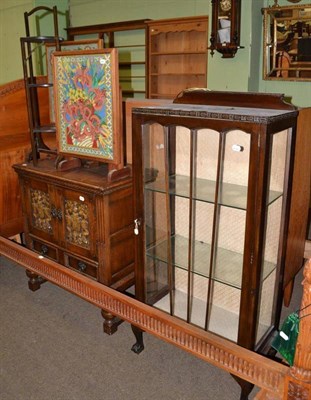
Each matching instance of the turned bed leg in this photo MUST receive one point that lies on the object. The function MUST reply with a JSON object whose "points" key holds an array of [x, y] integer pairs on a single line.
{"points": [[111, 322], [34, 281]]}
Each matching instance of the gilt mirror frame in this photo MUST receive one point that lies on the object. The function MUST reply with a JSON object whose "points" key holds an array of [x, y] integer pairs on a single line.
{"points": [[287, 43]]}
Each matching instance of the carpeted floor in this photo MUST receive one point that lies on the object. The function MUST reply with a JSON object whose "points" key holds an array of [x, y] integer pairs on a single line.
{"points": [[53, 348]]}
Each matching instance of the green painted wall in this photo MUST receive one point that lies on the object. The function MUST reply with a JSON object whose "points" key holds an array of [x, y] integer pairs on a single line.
{"points": [[242, 73], [88, 12], [12, 27], [230, 74]]}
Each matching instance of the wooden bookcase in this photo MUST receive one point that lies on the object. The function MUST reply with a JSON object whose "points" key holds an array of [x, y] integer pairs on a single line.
{"points": [[157, 59], [177, 55], [129, 37]]}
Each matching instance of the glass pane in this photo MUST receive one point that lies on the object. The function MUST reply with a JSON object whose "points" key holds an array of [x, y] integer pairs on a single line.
{"points": [[272, 236], [155, 210], [194, 250], [224, 299]]}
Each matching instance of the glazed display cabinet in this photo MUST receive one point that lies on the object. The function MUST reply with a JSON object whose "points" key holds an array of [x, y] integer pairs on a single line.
{"points": [[212, 184]]}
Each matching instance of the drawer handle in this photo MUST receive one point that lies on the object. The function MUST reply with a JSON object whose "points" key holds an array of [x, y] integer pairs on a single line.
{"points": [[81, 266], [56, 213], [44, 249], [53, 212], [59, 214]]}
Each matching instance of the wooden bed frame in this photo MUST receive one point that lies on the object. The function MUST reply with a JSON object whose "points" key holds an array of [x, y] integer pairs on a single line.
{"points": [[14, 149], [276, 380]]}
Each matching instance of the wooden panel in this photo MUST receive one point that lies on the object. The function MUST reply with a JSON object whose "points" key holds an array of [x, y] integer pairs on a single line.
{"points": [[11, 221], [14, 139], [300, 197], [120, 209], [122, 253], [15, 145]]}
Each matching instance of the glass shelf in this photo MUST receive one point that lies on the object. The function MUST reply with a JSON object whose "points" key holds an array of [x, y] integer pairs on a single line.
{"points": [[231, 195], [229, 264]]}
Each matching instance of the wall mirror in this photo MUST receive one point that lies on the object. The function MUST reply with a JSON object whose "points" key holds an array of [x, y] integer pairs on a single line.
{"points": [[287, 43]]}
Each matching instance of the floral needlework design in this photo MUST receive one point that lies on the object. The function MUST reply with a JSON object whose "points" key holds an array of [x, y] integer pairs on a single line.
{"points": [[77, 224], [41, 210], [84, 85], [67, 46]]}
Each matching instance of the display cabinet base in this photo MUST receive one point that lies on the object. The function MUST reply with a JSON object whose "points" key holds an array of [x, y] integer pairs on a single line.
{"points": [[246, 387]]}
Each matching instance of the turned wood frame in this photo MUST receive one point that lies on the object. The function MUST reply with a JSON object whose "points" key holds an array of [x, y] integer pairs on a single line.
{"points": [[277, 381]]}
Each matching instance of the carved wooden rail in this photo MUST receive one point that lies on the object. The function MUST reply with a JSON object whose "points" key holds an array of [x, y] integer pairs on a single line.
{"points": [[297, 384], [276, 380], [298, 381]]}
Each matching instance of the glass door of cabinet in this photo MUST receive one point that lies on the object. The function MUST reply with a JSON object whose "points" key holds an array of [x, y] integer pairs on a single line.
{"points": [[195, 199], [275, 206]]}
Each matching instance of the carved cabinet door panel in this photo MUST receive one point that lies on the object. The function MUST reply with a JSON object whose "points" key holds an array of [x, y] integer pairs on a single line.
{"points": [[41, 209], [78, 222]]}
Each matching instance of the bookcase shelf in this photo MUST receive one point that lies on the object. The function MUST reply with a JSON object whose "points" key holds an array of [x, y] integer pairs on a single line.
{"points": [[177, 55]]}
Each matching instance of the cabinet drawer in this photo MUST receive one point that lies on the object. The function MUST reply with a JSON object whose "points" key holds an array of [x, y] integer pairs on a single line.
{"points": [[45, 250], [81, 266]]}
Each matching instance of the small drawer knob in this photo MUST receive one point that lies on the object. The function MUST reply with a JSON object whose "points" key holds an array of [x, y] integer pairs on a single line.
{"points": [[59, 214], [54, 212], [44, 249], [81, 266]]}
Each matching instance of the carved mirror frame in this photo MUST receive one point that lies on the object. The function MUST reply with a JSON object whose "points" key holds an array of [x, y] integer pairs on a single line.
{"points": [[287, 43]]}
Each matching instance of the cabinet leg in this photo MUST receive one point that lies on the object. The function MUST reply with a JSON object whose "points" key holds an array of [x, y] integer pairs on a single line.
{"points": [[35, 281], [138, 347], [111, 322], [246, 387]]}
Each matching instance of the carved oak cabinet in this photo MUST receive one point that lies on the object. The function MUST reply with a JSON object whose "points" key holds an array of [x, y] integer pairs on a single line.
{"points": [[81, 220], [212, 183]]}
